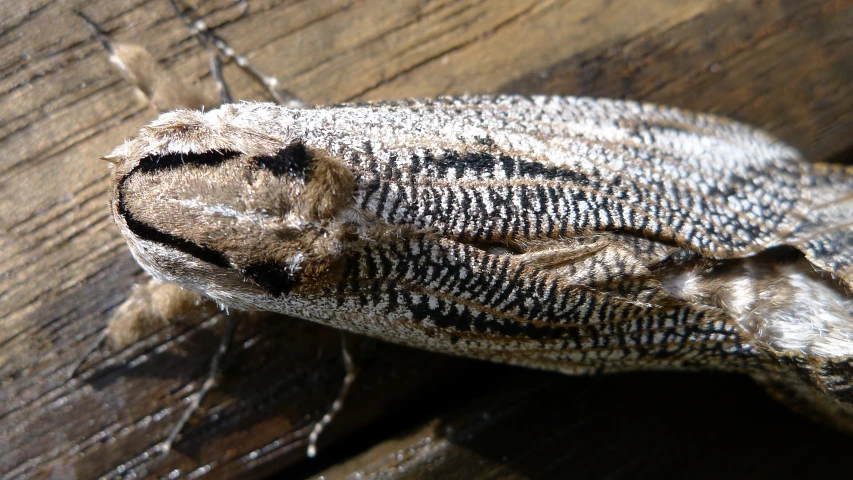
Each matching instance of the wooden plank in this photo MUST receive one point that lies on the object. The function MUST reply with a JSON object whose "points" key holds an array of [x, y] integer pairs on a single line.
{"points": [[784, 66]]}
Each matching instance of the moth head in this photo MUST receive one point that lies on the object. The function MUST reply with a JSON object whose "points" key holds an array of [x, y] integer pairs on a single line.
{"points": [[263, 219]]}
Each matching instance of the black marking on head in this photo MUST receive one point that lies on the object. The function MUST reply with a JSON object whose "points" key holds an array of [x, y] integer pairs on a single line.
{"points": [[156, 162], [272, 277], [292, 161], [147, 232]]}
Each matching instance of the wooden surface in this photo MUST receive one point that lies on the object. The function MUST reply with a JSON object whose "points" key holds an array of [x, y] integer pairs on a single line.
{"points": [[786, 66]]}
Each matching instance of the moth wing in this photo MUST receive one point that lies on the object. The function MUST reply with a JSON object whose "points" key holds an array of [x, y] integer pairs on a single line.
{"points": [[826, 235]]}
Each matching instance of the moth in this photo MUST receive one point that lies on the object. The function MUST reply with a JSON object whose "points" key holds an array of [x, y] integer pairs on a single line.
{"points": [[576, 235]]}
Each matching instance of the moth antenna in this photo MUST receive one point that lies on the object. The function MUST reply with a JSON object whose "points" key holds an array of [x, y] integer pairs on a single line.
{"points": [[199, 29]]}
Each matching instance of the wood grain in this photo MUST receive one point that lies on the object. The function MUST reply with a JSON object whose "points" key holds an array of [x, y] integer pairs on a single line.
{"points": [[784, 66]]}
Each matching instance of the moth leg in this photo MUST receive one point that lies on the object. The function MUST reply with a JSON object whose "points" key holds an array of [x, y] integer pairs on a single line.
{"points": [[98, 343], [153, 306], [349, 378], [199, 29], [149, 308], [209, 382], [161, 89]]}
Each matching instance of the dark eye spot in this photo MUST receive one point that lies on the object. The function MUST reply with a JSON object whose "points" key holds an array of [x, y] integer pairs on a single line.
{"points": [[292, 161], [272, 277]]}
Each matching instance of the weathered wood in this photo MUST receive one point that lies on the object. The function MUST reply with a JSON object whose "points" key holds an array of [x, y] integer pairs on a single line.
{"points": [[784, 66]]}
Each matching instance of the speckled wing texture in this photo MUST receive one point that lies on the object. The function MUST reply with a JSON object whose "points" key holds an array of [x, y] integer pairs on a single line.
{"points": [[560, 166], [571, 234]]}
